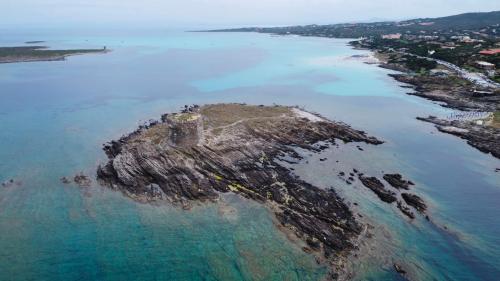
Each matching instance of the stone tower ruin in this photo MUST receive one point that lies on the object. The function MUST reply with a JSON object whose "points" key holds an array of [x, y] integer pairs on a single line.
{"points": [[184, 129]]}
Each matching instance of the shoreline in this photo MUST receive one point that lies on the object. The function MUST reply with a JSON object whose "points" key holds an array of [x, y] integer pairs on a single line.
{"points": [[482, 133]]}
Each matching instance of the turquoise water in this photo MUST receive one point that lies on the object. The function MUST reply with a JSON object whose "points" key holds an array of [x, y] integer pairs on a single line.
{"points": [[54, 117]]}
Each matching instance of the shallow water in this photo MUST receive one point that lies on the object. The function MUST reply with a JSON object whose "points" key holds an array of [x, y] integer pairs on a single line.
{"points": [[54, 117]]}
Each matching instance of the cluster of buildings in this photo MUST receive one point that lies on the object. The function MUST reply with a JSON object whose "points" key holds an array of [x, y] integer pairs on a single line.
{"points": [[478, 57], [488, 67]]}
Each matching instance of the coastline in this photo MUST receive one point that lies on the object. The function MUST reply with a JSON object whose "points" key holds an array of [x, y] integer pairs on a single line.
{"points": [[482, 133]]}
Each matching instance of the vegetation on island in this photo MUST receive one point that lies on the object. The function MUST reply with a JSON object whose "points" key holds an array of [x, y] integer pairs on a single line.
{"points": [[39, 53]]}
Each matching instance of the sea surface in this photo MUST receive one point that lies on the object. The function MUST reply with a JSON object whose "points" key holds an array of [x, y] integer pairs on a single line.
{"points": [[55, 116]]}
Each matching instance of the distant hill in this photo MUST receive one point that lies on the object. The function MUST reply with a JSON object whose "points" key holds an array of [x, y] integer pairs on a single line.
{"points": [[461, 22], [465, 21], [451, 24]]}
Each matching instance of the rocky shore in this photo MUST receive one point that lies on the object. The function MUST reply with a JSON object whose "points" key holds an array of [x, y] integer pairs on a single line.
{"points": [[196, 155], [454, 92], [451, 92], [484, 138]]}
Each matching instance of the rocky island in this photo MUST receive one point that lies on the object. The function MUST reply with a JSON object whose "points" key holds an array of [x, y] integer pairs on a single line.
{"points": [[40, 53], [202, 152]]}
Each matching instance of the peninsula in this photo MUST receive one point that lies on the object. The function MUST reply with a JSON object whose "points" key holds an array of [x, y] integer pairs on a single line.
{"points": [[40, 53], [202, 152]]}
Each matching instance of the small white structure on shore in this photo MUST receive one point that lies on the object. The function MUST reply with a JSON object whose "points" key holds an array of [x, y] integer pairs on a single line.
{"points": [[485, 65], [392, 36]]}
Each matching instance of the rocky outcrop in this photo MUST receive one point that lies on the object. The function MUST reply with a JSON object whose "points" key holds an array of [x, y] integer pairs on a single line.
{"points": [[457, 93], [405, 210], [378, 188], [11, 183], [238, 153], [388, 196], [79, 179], [449, 92], [414, 201], [397, 181]]}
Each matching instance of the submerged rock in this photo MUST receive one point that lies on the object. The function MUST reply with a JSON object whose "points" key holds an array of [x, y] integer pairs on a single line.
{"points": [[65, 180], [399, 269], [82, 180], [11, 183], [236, 148]]}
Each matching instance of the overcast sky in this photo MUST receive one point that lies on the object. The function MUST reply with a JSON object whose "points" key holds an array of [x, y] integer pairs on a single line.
{"points": [[200, 13]]}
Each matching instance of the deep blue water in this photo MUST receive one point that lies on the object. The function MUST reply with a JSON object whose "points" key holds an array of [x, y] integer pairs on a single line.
{"points": [[54, 117]]}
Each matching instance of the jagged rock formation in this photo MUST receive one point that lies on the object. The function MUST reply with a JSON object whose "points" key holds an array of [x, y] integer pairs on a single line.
{"points": [[414, 201], [378, 188], [389, 196], [236, 151], [397, 181]]}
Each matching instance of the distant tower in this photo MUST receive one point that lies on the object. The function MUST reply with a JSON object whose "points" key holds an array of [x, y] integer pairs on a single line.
{"points": [[184, 129]]}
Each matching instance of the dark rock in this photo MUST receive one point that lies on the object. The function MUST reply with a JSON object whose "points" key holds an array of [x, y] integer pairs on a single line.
{"points": [[82, 180], [378, 188], [414, 201], [399, 269], [307, 250], [323, 146], [405, 210], [10, 183], [65, 180], [6, 183], [397, 181], [314, 243]]}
